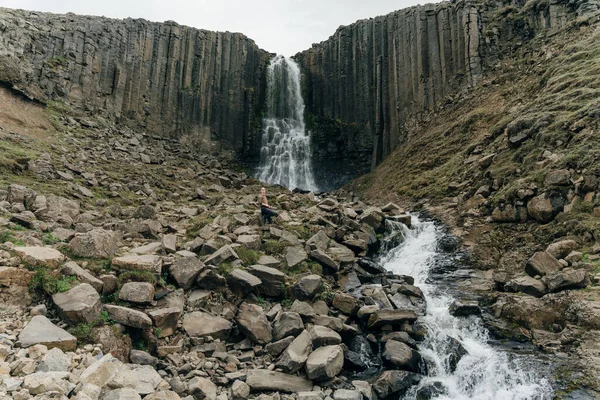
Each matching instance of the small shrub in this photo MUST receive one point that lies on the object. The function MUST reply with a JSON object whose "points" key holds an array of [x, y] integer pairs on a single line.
{"points": [[274, 247], [82, 332], [46, 282], [248, 256], [7, 236], [49, 239], [225, 268], [65, 284], [137, 276]]}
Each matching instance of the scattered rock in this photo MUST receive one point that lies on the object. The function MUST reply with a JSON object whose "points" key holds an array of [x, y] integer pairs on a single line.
{"points": [[254, 324], [40, 330], [325, 362], [81, 304], [137, 292]]}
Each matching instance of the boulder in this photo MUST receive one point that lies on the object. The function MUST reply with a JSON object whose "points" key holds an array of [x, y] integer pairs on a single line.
{"points": [[391, 317], [110, 283], [137, 292], [323, 336], [81, 304], [346, 303], [462, 308], [276, 348], [395, 384], [268, 261], [303, 309], [527, 285], [294, 256], [199, 324], [345, 394], [401, 356], [509, 213], [272, 280], [224, 254], [250, 241], [97, 243], [455, 351], [40, 330], [54, 360], [169, 243], [41, 383], [146, 262], [72, 268], [325, 362], [307, 287], [254, 324], [210, 279], [271, 381], [163, 395], [128, 317], [287, 324], [59, 209], [40, 256], [242, 283], [240, 390], [329, 322], [324, 259], [319, 241], [558, 177], [561, 248], [294, 357], [113, 341], [542, 263], [185, 270], [202, 388], [165, 320], [567, 279], [122, 394], [545, 207]]}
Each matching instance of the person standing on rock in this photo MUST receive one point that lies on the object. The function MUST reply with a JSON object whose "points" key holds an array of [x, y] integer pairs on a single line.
{"points": [[265, 209]]}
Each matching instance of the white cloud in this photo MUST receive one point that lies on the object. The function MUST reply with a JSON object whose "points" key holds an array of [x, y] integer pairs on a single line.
{"points": [[279, 26]]}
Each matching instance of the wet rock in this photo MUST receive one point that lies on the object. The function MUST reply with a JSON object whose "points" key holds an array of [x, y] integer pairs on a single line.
{"points": [[81, 304], [97, 243], [542, 263], [72, 268], [455, 351], [561, 248], [242, 282], [294, 357], [254, 324], [271, 381], [137, 292], [272, 280], [150, 263], [40, 256], [394, 384], [461, 308], [325, 362], [199, 324], [401, 356], [185, 270], [431, 391], [527, 285], [40, 330], [391, 317], [567, 279], [307, 287], [323, 336], [129, 317]]}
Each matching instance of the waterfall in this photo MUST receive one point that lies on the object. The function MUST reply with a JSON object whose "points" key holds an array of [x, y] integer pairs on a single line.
{"points": [[485, 372], [285, 156]]}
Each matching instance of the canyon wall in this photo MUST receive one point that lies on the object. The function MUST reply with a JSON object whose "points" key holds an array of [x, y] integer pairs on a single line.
{"points": [[364, 83], [170, 79]]}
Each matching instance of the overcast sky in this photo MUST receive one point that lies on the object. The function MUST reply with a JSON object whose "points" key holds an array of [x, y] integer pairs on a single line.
{"points": [[278, 26]]}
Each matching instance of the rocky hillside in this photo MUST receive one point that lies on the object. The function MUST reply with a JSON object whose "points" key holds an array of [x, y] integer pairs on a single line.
{"points": [[369, 84], [171, 80]]}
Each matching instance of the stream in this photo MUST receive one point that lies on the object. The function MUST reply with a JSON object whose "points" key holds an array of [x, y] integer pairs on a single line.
{"points": [[487, 371]]}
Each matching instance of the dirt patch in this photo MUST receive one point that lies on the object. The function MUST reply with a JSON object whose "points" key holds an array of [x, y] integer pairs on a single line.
{"points": [[23, 117]]}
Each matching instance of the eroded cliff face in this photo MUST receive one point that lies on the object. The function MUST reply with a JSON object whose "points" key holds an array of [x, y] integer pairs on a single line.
{"points": [[173, 80], [372, 78]]}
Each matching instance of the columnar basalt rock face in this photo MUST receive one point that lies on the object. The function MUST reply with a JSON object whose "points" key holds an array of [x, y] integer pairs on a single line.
{"points": [[170, 79], [370, 80]]}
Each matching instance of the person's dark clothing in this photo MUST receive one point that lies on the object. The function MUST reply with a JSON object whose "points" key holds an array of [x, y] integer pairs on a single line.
{"points": [[267, 214]]}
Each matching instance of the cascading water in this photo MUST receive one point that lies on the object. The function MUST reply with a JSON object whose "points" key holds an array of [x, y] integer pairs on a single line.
{"points": [[285, 153], [486, 372]]}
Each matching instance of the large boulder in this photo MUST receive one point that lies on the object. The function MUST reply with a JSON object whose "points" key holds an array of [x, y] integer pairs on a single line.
{"points": [[134, 262], [72, 268], [528, 285], [346, 303], [200, 324], [165, 320], [558, 177], [81, 304], [307, 287], [128, 317], [562, 248], [272, 279], [40, 330], [294, 357], [294, 256], [254, 324], [270, 381], [401, 356], [242, 283], [567, 279], [202, 388], [287, 324], [185, 270], [137, 292], [542, 263], [391, 317], [40, 256], [545, 207], [113, 341], [224, 254], [325, 362], [97, 243], [59, 209]]}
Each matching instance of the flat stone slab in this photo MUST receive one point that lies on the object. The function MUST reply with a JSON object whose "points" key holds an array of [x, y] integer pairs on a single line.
{"points": [[391, 317], [200, 324], [271, 381], [145, 262], [40, 256], [40, 330], [128, 316]]}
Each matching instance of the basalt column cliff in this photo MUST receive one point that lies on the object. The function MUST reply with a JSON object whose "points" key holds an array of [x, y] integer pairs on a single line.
{"points": [[173, 80], [372, 79]]}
